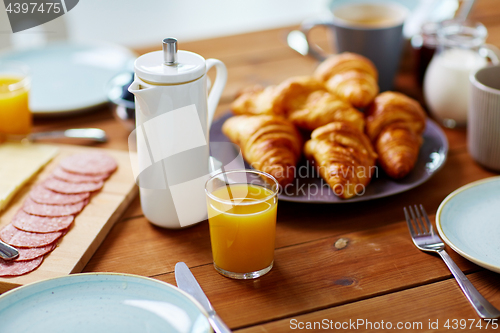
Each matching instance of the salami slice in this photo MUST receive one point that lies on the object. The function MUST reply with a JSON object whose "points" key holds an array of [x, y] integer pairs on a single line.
{"points": [[40, 224], [34, 252], [89, 163], [15, 237], [34, 208], [69, 177], [61, 186], [42, 195], [15, 268]]}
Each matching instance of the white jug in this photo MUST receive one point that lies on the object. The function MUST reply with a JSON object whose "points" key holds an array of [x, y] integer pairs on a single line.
{"points": [[461, 50], [173, 117]]}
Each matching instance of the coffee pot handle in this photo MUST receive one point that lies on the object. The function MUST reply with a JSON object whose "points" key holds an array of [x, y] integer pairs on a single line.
{"points": [[218, 87]]}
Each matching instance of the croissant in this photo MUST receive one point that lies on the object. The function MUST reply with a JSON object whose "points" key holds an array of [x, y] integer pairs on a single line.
{"points": [[395, 123], [268, 143], [308, 105], [351, 76], [344, 157], [258, 100], [275, 100]]}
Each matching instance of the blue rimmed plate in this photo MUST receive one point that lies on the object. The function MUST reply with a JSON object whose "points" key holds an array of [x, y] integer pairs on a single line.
{"points": [[101, 303], [468, 220]]}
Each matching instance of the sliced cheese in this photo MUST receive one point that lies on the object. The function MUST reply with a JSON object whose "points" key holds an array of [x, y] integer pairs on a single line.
{"points": [[20, 162]]}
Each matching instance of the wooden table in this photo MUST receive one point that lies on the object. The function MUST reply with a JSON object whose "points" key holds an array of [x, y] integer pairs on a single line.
{"points": [[379, 276]]}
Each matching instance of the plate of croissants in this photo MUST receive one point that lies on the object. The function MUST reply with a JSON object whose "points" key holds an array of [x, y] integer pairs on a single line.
{"points": [[332, 137]]}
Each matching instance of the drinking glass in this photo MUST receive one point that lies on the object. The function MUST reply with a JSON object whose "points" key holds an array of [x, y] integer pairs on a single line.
{"points": [[242, 207], [15, 115]]}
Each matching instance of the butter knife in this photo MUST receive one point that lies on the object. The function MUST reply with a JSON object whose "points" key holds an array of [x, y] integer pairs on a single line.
{"points": [[94, 134], [187, 282], [8, 252]]}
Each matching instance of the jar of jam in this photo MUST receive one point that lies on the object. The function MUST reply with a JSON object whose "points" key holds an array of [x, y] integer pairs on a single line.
{"points": [[424, 45]]}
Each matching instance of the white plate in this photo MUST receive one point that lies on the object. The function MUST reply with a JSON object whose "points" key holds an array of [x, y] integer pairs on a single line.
{"points": [[101, 303], [468, 220], [71, 78]]}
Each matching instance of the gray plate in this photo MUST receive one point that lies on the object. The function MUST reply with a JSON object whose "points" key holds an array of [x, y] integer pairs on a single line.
{"points": [[313, 189]]}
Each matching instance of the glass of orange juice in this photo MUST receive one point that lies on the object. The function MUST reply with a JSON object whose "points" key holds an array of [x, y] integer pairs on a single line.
{"points": [[15, 115], [242, 207]]}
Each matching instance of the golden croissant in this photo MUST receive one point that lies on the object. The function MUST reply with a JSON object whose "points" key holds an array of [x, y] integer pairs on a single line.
{"points": [[344, 157], [395, 123], [302, 99], [350, 76], [258, 100], [308, 105], [268, 143]]}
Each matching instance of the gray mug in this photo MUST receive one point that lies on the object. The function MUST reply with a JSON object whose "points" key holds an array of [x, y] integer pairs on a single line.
{"points": [[483, 123], [374, 30]]}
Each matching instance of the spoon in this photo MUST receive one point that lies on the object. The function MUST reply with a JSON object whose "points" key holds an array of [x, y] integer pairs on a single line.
{"points": [[297, 41], [94, 134], [465, 10], [8, 252]]}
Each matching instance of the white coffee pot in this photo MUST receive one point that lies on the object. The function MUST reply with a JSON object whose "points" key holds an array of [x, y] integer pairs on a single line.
{"points": [[173, 117]]}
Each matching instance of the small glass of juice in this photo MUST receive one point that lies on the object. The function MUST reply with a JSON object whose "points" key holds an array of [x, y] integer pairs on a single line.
{"points": [[15, 115], [242, 207]]}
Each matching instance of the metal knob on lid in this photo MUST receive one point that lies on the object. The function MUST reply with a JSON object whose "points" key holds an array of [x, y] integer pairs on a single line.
{"points": [[170, 51], [170, 65]]}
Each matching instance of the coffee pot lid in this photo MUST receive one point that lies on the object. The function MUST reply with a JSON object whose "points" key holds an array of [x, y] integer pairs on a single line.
{"points": [[170, 66]]}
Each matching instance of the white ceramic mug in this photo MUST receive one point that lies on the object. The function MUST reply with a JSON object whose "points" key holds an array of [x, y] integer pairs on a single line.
{"points": [[483, 129]]}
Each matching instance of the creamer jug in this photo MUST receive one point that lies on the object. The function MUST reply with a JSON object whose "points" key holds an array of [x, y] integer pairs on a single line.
{"points": [[173, 117], [460, 51]]}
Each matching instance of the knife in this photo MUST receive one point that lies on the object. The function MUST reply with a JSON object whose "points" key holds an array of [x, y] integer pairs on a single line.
{"points": [[187, 282], [8, 252]]}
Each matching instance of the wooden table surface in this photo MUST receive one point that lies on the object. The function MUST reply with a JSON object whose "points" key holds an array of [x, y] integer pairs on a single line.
{"points": [[379, 276]]}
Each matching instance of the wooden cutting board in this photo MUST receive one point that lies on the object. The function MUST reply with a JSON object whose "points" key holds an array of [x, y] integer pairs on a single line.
{"points": [[90, 227]]}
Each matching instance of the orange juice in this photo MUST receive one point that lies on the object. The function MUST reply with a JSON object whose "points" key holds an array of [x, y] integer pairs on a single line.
{"points": [[242, 233], [15, 116]]}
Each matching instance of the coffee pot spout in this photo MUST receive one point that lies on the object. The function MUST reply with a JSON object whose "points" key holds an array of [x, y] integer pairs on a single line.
{"points": [[145, 96], [140, 90]]}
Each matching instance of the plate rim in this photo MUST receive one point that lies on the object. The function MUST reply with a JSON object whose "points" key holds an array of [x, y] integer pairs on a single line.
{"points": [[113, 274], [446, 200], [11, 51]]}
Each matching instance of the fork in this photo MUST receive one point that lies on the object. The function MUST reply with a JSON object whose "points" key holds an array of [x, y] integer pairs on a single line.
{"points": [[424, 237]]}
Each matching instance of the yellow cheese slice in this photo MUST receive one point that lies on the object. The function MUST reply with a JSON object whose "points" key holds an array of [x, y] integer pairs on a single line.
{"points": [[19, 162]]}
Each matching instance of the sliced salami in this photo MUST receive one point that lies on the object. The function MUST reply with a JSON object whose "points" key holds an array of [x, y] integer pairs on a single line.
{"points": [[40, 224], [34, 252], [15, 268], [34, 208], [61, 186], [43, 195], [89, 163], [69, 177], [15, 237]]}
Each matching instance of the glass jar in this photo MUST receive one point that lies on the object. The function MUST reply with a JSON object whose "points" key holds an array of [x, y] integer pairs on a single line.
{"points": [[460, 50], [424, 45]]}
